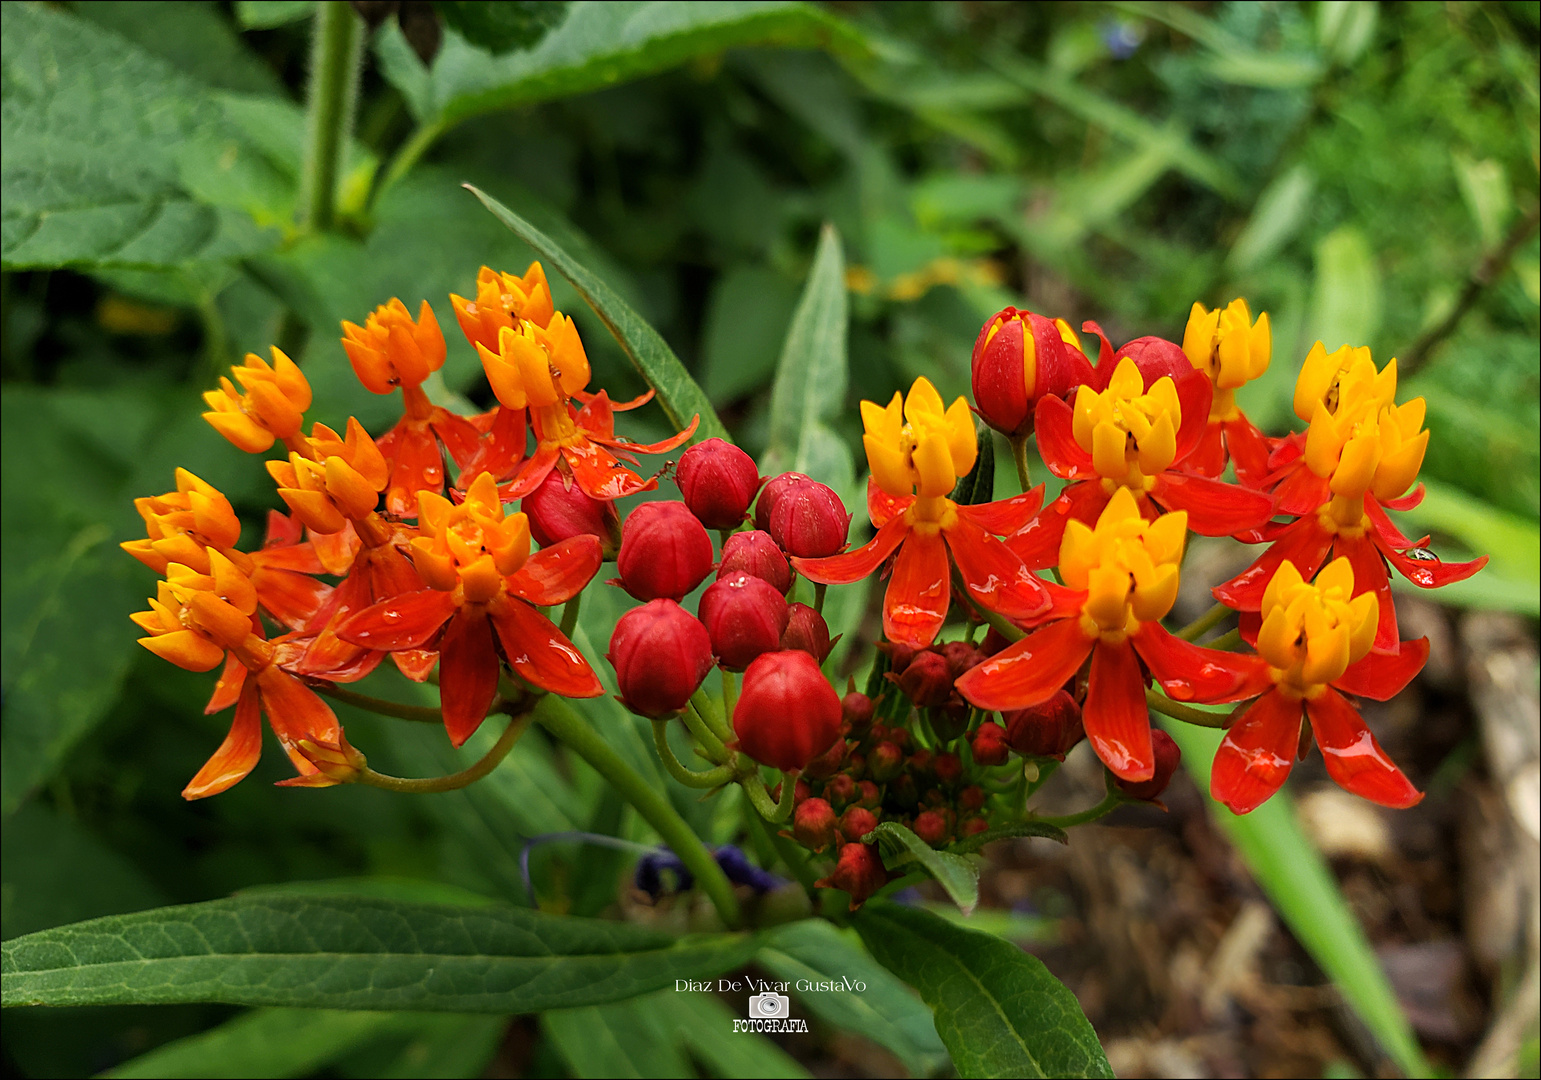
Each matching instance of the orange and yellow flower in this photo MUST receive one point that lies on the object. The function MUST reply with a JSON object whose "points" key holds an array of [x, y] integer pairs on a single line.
{"points": [[1232, 350], [269, 406], [503, 300]]}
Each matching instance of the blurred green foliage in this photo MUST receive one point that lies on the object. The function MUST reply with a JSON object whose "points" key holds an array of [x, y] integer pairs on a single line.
{"points": [[1348, 167]]}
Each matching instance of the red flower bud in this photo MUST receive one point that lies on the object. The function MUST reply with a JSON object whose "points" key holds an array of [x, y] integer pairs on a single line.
{"points": [[859, 872], [801, 792], [660, 653], [841, 789], [1168, 757], [960, 656], [856, 765], [813, 825], [806, 518], [920, 762], [1047, 730], [857, 822], [868, 794], [856, 712], [899, 656], [828, 763], [971, 798], [994, 642], [756, 554], [745, 617], [1020, 357], [885, 762], [718, 481], [931, 826], [787, 712], [665, 551], [948, 768], [902, 790], [807, 630], [952, 718], [973, 826], [990, 744], [927, 681], [1156, 358], [559, 509]]}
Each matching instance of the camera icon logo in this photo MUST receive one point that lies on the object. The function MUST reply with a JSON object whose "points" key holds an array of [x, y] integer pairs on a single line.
{"points": [[769, 1007]]}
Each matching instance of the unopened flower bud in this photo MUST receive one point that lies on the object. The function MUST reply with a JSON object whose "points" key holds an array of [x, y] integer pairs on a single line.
{"points": [[856, 765], [1020, 357], [660, 653], [927, 681], [868, 794], [973, 826], [804, 517], [857, 822], [807, 630], [814, 824], [787, 713], [559, 509], [841, 789], [1156, 358], [931, 826], [745, 617], [950, 720], [665, 552], [756, 554], [859, 872], [899, 655], [1168, 757], [989, 745], [340, 763], [948, 768], [718, 481], [885, 762], [856, 711], [902, 790], [829, 762], [1048, 730], [801, 792], [920, 762], [971, 798], [961, 656]]}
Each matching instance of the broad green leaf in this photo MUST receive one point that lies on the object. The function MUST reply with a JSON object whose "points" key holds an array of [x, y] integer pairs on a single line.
{"points": [[1485, 189], [196, 39], [399, 890], [903, 851], [1345, 309], [95, 130], [677, 392], [813, 952], [1275, 220], [1296, 878], [998, 1010], [355, 953], [502, 26], [449, 1045]]}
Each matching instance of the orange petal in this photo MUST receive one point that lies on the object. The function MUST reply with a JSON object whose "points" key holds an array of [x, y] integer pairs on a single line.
{"points": [[1214, 508], [883, 507], [415, 664], [1053, 422], [418, 466], [529, 477], [228, 690], [1029, 672], [292, 599], [1037, 545], [1354, 759], [336, 550], [1004, 516], [1382, 676], [994, 577], [556, 574], [1256, 755], [919, 592], [854, 565], [600, 475], [662, 446], [459, 436], [1189, 672], [236, 756], [468, 673], [540, 654], [294, 712], [403, 622], [185, 649], [1116, 719]]}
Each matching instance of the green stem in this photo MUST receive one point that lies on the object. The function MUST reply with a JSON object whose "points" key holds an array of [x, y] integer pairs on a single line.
{"points": [[819, 589], [1109, 802], [1227, 641], [406, 157], [703, 733], [1019, 455], [1204, 623], [1007, 629], [559, 718], [423, 714], [797, 859], [713, 778], [773, 812], [454, 781], [1186, 713], [729, 693], [570, 616], [334, 69], [708, 710]]}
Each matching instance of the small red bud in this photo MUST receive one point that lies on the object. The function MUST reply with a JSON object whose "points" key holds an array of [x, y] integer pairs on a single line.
{"points": [[814, 824], [951, 719], [801, 792], [1168, 757], [745, 617], [920, 762], [971, 797], [926, 681], [660, 653], [948, 767], [806, 518], [885, 762], [974, 826], [856, 711], [899, 656], [755, 553], [841, 789], [859, 872], [665, 552], [990, 746], [856, 765], [787, 713], [807, 630], [899, 737], [869, 795], [718, 481], [857, 822], [559, 509], [1048, 730], [1155, 357], [902, 790], [960, 656], [828, 763], [1020, 357], [931, 826]]}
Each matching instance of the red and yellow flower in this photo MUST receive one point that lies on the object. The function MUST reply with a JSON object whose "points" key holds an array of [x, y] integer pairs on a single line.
{"points": [[917, 449], [483, 589], [1232, 350], [1132, 437]]}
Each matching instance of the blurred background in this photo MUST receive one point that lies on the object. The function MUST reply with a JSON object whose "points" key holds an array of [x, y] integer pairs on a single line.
{"points": [[1364, 172]]}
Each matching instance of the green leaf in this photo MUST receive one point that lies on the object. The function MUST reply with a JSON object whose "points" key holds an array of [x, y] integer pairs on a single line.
{"points": [[355, 953], [745, 320], [886, 1011], [998, 1010], [903, 850], [677, 392], [502, 26], [95, 130], [1275, 220], [194, 38], [979, 485], [1296, 879], [706, 1023], [1345, 309]]}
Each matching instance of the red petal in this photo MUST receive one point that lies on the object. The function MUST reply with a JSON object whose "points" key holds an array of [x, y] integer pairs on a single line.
{"points": [[459, 436], [1409, 501], [1195, 393], [1305, 543], [1390, 536], [1256, 754], [389, 574], [663, 446], [1214, 508], [1370, 576], [419, 466], [293, 599], [1208, 457], [415, 664], [1054, 424], [597, 417], [503, 449], [1382, 676], [1429, 573], [1037, 545], [294, 712], [1115, 716], [228, 690], [1354, 759], [919, 591], [1286, 450], [883, 507], [994, 577], [1004, 516], [336, 551], [236, 756], [1189, 672], [617, 406], [554, 575], [1104, 369], [404, 622], [534, 471], [282, 531], [854, 565], [1301, 491], [600, 476], [540, 654], [468, 673], [1248, 449], [1029, 672]]}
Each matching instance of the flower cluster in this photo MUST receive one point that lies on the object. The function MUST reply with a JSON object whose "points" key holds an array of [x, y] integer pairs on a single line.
{"points": [[408, 546]]}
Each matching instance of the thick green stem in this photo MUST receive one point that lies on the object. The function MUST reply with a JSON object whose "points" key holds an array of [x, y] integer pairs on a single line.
{"points": [[712, 778], [708, 710], [1227, 641], [729, 693], [1019, 455], [703, 733], [570, 616], [1110, 802], [1204, 623], [454, 781], [819, 589], [1186, 713], [774, 812], [559, 718], [423, 714], [334, 70]]}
